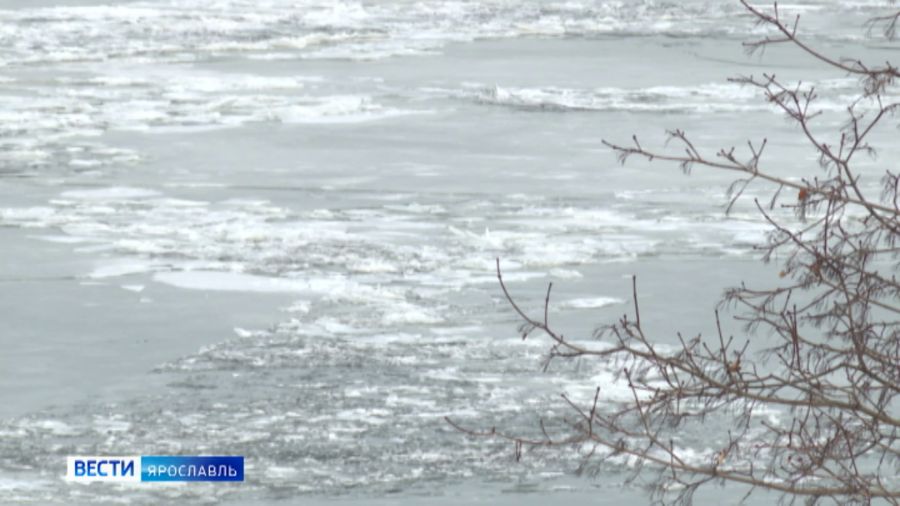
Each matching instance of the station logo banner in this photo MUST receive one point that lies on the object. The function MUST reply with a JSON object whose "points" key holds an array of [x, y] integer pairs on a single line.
{"points": [[154, 468]]}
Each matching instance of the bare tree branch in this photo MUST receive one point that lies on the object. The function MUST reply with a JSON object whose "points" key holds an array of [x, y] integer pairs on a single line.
{"points": [[830, 364]]}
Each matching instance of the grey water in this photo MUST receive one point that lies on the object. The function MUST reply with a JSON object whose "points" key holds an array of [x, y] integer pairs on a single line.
{"points": [[269, 229]]}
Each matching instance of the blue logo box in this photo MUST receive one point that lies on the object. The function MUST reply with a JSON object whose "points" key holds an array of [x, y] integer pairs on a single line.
{"points": [[183, 468], [154, 468]]}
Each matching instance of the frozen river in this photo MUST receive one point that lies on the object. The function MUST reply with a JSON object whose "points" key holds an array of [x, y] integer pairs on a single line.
{"points": [[268, 228]]}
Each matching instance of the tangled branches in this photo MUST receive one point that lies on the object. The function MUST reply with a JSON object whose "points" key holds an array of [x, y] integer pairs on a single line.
{"points": [[832, 368]]}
